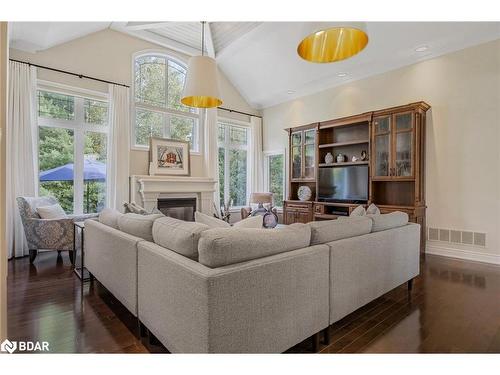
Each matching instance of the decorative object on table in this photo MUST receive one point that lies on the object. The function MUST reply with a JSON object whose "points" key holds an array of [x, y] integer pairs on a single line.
{"points": [[255, 200], [270, 218], [364, 155], [169, 156], [304, 193], [47, 234], [223, 213], [329, 158], [341, 158], [354, 158]]}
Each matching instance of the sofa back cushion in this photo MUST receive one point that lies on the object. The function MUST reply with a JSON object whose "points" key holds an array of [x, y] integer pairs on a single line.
{"points": [[224, 246], [109, 217], [138, 225], [178, 235], [333, 230], [388, 221]]}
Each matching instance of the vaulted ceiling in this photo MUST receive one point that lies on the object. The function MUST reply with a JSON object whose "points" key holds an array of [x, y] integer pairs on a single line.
{"points": [[260, 58]]}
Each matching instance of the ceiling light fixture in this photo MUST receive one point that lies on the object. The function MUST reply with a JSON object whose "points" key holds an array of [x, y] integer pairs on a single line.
{"points": [[201, 89], [290, 92], [335, 43], [421, 49]]}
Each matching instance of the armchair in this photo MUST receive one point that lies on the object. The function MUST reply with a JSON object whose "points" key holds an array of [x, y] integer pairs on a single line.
{"points": [[47, 234], [256, 198]]}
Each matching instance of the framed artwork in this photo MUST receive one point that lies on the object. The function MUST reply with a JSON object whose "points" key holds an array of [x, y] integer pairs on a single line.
{"points": [[168, 157]]}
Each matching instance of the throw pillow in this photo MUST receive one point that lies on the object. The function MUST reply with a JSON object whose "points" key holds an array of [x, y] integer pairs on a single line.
{"points": [[212, 222], [358, 211], [250, 222], [372, 210], [134, 208], [109, 217], [54, 211]]}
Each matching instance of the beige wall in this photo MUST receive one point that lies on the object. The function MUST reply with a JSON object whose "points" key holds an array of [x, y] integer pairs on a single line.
{"points": [[4, 51], [108, 55], [463, 135]]}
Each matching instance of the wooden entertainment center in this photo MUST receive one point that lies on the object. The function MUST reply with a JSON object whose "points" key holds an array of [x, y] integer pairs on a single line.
{"points": [[394, 142]]}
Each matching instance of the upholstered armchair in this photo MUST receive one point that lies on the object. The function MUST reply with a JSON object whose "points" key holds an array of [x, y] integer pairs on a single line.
{"points": [[256, 198], [47, 234]]}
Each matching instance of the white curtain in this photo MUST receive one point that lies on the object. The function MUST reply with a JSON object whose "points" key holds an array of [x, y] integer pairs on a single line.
{"points": [[211, 151], [21, 151], [256, 156], [117, 184]]}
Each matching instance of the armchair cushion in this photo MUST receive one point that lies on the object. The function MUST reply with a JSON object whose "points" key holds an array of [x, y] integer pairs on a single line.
{"points": [[54, 211]]}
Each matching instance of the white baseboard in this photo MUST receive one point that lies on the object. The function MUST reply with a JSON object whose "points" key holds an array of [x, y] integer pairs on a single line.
{"points": [[476, 256]]}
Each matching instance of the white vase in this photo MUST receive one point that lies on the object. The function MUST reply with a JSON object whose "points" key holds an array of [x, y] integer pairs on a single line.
{"points": [[329, 158]]}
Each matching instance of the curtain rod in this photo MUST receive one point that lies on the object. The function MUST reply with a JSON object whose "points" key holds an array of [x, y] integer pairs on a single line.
{"points": [[69, 73], [241, 113]]}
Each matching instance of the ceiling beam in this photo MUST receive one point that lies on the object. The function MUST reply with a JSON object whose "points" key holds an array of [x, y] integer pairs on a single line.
{"points": [[209, 41]]}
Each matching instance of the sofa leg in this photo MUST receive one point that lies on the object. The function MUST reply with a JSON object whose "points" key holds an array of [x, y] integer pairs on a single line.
{"points": [[33, 254], [315, 342], [410, 285], [72, 257], [326, 336]]}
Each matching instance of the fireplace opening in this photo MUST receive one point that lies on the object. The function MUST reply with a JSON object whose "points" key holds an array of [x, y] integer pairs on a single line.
{"points": [[178, 208]]}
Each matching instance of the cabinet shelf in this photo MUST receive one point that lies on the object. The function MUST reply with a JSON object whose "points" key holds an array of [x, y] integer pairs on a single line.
{"points": [[339, 144], [324, 165]]}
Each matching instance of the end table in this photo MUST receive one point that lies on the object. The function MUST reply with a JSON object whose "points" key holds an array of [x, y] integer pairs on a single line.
{"points": [[80, 271]]}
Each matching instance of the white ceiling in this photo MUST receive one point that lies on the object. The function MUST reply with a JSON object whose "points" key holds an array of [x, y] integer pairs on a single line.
{"points": [[260, 58]]}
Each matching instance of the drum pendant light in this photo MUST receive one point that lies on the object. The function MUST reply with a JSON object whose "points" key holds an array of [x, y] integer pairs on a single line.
{"points": [[201, 89], [335, 43]]}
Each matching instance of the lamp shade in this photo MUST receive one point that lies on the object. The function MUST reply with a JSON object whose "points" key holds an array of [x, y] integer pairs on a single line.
{"points": [[333, 42], [202, 84]]}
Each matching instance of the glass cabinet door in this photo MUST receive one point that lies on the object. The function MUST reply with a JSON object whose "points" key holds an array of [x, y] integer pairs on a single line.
{"points": [[403, 144], [382, 144], [296, 155], [309, 153]]}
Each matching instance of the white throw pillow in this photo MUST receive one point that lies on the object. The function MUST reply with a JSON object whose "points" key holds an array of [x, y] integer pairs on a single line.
{"points": [[250, 222], [358, 211], [54, 211], [372, 210], [212, 222]]}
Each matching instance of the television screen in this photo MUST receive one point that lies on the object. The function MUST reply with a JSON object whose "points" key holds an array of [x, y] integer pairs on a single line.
{"points": [[344, 184]]}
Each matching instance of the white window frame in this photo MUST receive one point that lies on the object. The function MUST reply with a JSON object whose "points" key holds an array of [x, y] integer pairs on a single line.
{"points": [[135, 105], [79, 128], [232, 146], [267, 177]]}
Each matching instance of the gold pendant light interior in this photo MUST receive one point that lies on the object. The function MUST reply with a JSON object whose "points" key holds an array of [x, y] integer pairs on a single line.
{"points": [[334, 44]]}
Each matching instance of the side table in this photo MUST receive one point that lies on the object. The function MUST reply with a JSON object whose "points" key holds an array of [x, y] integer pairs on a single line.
{"points": [[80, 271]]}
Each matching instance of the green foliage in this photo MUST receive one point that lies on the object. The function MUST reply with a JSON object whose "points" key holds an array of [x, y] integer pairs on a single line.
{"points": [[276, 178]]}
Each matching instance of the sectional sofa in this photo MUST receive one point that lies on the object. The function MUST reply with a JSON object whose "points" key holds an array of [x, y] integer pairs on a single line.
{"points": [[203, 290]]}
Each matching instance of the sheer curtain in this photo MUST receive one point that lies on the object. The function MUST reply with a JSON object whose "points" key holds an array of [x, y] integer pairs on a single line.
{"points": [[211, 151], [21, 151], [256, 156], [117, 184]]}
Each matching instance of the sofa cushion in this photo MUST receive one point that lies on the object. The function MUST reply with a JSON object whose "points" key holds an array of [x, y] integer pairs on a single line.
{"points": [[333, 230], [250, 222], [178, 235], [388, 221], [54, 211], [372, 210], [109, 217], [211, 221], [138, 225], [220, 247], [358, 211]]}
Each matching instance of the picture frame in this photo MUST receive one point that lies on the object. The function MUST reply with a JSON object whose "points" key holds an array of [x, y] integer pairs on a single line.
{"points": [[169, 157]]}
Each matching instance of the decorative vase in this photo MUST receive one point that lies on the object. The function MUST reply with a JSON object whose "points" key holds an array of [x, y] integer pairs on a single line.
{"points": [[329, 158], [304, 193], [340, 158]]}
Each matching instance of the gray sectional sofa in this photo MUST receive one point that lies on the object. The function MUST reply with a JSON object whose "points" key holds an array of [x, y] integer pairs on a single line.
{"points": [[202, 290]]}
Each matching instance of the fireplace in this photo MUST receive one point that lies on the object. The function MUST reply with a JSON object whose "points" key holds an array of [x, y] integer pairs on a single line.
{"points": [[179, 208]]}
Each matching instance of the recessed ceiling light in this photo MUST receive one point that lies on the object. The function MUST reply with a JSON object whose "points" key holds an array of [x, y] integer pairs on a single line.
{"points": [[342, 74], [290, 92], [421, 49]]}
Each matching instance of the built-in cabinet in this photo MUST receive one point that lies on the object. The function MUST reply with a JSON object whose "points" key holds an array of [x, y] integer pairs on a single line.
{"points": [[394, 142]]}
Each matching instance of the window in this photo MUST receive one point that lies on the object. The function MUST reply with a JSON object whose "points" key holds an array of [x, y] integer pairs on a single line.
{"points": [[72, 150], [275, 176], [233, 163], [158, 111]]}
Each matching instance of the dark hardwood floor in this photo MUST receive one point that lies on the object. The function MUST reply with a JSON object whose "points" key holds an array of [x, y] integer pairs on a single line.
{"points": [[454, 308]]}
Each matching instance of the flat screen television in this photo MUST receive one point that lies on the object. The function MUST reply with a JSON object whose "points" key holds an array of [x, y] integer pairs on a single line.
{"points": [[347, 184]]}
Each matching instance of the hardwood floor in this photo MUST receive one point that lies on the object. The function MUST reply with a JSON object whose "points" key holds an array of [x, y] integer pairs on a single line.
{"points": [[454, 308]]}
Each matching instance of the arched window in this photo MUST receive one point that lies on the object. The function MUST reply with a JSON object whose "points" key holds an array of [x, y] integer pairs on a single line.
{"points": [[158, 111]]}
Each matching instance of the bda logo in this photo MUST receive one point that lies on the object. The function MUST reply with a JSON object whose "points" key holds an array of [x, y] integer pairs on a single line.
{"points": [[8, 346]]}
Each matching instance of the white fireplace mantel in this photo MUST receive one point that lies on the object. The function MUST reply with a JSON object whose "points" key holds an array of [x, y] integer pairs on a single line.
{"points": [[145, 190]]}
